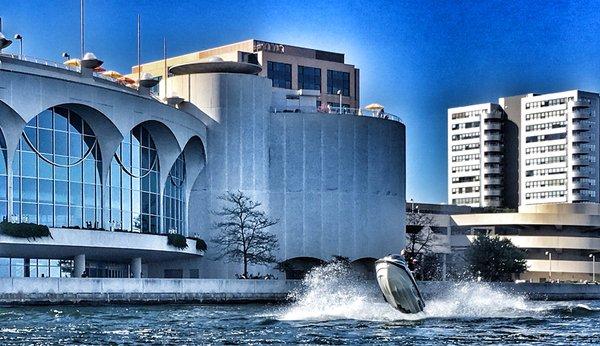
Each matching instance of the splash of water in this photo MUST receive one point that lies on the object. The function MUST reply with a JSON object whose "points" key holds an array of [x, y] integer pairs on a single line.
{"points": [[331, 292]]}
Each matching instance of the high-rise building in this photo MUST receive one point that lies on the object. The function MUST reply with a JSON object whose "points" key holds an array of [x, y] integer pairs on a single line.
{"points": [[475, 155], [559, 148], [527, 149]]}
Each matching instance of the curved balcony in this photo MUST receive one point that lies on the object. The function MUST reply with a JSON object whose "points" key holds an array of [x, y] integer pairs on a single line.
{"points": [[492, 158], [581, 137], [492, 137], [582, 172], [492, 147], [493, 170], [581, 185], [492, 191], [581, 126], [583, 160], [580, 104], [492, 181], [581, 114], [581, 196], [580, 149], [492, 126]]}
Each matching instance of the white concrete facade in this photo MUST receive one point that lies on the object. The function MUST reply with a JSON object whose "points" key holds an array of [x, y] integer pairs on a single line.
{"points": [[336, 182], [475, 143], [559, 148]]}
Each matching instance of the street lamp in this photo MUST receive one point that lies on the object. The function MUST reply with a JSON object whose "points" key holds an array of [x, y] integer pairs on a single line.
{"points": [[412, 205], [549, 254], [339, 92], [593, 257], [20, 38]]}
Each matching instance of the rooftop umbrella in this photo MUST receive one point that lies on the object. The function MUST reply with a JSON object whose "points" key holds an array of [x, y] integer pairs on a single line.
{"points": [[374, 107], [112, 74], [72, 62], [126, 80]]}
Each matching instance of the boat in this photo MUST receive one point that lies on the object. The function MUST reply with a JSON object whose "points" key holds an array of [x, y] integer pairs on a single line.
{"points": [[397, 284]]}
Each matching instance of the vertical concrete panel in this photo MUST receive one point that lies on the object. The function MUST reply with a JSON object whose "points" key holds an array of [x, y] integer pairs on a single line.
{"points": [[276, 153], [361, 156], [329, 212], [330, 152], [313, 159], [248, 149], [346, 204], [294, 153], [346, 155], [294, 209], [312, 224]]}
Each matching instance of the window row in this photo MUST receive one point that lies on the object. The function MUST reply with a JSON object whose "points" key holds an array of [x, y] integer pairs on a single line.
{"points": [[465, 147], [467, 168], [546, 126], [309, 78], [542, 138], [545, 160], [465, 125], [545, 171], [462, 136], [546, 103], [468, 114], [543, 115], [545, 194], [469, 189], [544, 183], [545, 148], [461, 201], [469, 157], [465, 179]]}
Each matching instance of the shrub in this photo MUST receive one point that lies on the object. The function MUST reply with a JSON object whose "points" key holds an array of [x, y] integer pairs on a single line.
{"points": [[177, 240], [201, 245], [24, 230]]}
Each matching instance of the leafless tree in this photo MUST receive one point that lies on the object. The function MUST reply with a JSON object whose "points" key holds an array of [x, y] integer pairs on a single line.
{"points": [[242, 235], [419, 237]]}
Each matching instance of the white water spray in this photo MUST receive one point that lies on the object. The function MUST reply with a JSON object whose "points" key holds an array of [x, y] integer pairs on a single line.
{"points": [[331, 292]]}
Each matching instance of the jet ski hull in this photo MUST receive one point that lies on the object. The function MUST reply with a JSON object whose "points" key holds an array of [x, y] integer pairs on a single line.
{"points": [[398, 285]]}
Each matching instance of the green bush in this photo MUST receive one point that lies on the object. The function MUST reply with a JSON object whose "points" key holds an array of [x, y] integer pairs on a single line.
{"points": [[201, 245], [177, 240], [24, 230]]}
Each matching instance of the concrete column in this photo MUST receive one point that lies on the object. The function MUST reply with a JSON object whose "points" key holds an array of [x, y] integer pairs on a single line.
{"points": [[136, 267], [79, 266], [27, 267], [444, 268]]}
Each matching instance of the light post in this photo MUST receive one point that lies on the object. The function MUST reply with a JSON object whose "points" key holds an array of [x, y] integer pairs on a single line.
{"points": [[549, 254], [412, 205], [593, 257], [20, 38], [339, 92]]}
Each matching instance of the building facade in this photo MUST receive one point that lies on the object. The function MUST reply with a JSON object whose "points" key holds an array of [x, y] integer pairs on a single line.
{"points": [[559, 148], [543, 148], [475, 155], [289, 68], [114, 171], [561, 241]]}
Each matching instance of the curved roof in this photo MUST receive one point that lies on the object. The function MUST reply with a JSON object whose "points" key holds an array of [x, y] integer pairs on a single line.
{"points": [[215, 67]]}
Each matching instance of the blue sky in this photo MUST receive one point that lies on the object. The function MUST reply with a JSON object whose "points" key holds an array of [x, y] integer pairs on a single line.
{"points": [[417, 58]]}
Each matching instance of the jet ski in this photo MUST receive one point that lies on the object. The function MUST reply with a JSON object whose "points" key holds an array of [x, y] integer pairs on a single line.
{"points": [[398, 285]]}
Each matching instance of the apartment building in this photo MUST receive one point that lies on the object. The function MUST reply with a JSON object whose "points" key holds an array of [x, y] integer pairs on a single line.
{"points": [[475, 155], [559, 148], [291, 69]]}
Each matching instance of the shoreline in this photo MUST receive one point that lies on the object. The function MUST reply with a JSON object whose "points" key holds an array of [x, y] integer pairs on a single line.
{"points": [[95, 291]]}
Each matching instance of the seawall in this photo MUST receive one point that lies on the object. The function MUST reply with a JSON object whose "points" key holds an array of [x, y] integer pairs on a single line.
{"points": [[38, 291]]}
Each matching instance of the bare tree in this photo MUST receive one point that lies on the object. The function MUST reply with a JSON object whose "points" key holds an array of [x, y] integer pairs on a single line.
{"points": [[419, 237], [242, 231]]}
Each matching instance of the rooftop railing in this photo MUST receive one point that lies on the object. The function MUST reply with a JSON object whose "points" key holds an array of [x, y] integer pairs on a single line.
{"points": [[338, 110], [40, 61]]}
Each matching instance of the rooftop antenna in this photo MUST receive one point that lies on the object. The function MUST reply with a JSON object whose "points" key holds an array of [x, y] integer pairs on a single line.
{"points": [[82, 32], [138, 49], [166, 72]]}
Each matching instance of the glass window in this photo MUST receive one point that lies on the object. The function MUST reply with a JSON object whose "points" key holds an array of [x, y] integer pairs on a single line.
{"points": [[280, 74], [40, 186], [132, 182], [174, 198], [337, 80], [309, 78]]}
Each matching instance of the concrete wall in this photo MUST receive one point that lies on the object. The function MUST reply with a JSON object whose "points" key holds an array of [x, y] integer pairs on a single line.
{"points": [[335, 182]]}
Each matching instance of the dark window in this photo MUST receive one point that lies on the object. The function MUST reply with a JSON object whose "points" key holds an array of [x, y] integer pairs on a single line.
{"points": [[337, 80], [250, 58], [309, 78], [280, 74]]}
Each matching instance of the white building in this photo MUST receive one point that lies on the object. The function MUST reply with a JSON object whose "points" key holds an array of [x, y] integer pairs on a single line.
{"points": [[558, 148], [475, 145]]}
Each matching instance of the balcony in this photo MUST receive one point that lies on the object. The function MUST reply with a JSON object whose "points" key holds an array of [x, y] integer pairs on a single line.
{"points": [[582, 172], [492, 126], [492, 170], [581, 160], [492, 191], [492, 147], [580, 149], [581, 185], [581, 126], [492, 158], [492, 181], [580, 104], [581, 137], [581, 114], [492, 137]]}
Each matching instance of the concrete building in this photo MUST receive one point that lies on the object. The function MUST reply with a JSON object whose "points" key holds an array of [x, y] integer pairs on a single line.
{"points": [[289, 68], [112, 169], [559, 148], [560, 239], [475, 155], [546, 150]]}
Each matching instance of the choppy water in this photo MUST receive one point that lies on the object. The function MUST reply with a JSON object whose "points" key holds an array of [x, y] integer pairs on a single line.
{"points": [[331, 310]]}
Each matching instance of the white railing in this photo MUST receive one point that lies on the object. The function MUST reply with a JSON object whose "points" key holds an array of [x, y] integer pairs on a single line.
{"points": [[338, 110], [40, 61]]}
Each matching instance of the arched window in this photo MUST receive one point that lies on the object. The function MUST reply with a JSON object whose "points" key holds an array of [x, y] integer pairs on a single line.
{"points": [[134, 184], [56, 172], [174, 198]]}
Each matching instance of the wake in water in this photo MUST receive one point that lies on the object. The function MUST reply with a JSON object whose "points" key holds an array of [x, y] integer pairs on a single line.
{"points": [[332, 292]]}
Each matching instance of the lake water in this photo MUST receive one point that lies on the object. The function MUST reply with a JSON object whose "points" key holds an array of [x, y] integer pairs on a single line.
{"points": [[332, 309]]}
